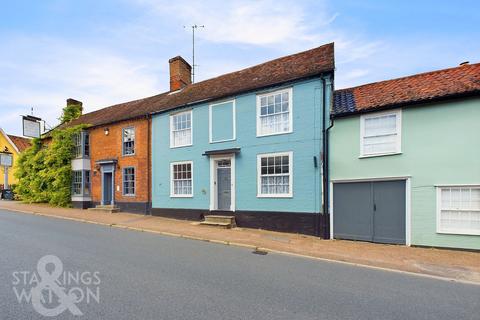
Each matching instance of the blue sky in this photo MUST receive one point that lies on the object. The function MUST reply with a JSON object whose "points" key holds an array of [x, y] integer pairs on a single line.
{"points": [[107, 52]]}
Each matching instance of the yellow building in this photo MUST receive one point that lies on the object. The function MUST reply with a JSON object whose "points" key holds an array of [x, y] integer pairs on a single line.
{"points": [[15, 145]]}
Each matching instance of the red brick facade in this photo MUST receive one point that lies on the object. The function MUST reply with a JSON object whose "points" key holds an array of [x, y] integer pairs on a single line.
{"points": [[109, 146]]}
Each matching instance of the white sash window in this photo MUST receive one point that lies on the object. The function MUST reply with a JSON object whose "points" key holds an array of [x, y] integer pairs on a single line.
{"points": [[380, 134], [458, 210], [181, 129], [181, 179], [275, 175], [274, 113]]}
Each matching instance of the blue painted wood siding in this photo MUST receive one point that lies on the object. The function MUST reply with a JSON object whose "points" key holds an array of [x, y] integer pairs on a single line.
{"points": [[305, 141]]}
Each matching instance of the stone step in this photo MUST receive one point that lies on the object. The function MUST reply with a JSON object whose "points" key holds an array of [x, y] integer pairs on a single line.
{"points": [[105, 209], [106, 206], [221, 221], [225, 225]]}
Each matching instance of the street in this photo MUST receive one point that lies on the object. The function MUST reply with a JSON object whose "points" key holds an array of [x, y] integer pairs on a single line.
{"points": [[148, 276]]}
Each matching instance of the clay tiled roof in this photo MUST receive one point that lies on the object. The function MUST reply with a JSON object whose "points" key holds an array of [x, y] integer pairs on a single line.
{"points": [[424, 87], [20, 142], [297, 66]]}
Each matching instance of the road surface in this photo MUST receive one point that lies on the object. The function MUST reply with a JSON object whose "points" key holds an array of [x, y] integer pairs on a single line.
{"points": [[148, 276]]}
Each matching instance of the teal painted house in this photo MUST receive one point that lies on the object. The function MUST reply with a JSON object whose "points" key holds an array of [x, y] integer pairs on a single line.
{"points": [[405, 160], [247, 144]]}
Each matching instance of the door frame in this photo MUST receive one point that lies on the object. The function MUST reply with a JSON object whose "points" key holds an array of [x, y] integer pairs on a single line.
{"points": [[213, 179], [408, 202], [105, 170]]}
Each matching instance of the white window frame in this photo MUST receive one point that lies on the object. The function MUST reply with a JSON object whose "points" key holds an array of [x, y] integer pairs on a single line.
{"points": [[210, 121], [398, 117], [439, 209], [290, 115], [172, 194], [259, 175], [172, 115]]}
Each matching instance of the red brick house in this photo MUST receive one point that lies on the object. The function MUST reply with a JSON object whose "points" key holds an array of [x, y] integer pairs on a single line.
{"points": [[112, 156]]}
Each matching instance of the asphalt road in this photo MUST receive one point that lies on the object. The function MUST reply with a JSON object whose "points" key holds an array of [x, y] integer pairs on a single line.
{"points": [[147, 276]]}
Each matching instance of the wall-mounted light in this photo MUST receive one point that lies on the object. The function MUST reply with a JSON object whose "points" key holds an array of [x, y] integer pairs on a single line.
{"points": [[106, 131]]}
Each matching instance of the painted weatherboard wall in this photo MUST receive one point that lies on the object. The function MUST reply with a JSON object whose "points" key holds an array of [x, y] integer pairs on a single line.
{"points": [[6, 143], [304, 142], [440, 146]]}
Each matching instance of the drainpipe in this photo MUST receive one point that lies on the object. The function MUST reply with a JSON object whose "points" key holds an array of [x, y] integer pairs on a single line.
{"points": [[325, 162], [149, 165]]}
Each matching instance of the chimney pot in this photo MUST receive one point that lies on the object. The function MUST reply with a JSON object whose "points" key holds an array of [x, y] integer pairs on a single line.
{"points": [[180, 73]]}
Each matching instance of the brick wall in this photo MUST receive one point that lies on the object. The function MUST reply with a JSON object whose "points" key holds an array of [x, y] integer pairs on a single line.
{"points": [[110, 147]]}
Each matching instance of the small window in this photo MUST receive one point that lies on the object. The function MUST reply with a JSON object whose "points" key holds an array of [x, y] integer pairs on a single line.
{"points": [[129, 181], [86, 186], [77, 183], [380, 134], [128, 141], [77, 145], [275, 175], [181, 179], [181, 129], [274, 113], [458, 210]]}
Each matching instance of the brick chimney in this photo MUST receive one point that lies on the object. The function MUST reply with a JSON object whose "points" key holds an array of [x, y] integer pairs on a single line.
{"points": [[180, 73], [71, 102]]}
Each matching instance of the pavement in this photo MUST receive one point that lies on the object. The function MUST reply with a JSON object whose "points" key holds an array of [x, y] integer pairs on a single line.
{"points": [[143, 275], [453, 265]]}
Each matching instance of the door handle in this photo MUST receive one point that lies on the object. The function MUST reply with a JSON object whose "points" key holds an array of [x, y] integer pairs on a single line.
{"points": [[374, 207]]}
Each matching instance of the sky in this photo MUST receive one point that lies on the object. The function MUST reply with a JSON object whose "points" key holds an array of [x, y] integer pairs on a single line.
{"points": [[112, 51]]}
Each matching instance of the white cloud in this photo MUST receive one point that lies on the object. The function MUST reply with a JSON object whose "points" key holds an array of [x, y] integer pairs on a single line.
{"points": [[59, 70], [258, 23]]}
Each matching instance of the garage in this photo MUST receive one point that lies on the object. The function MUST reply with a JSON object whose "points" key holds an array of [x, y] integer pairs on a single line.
{"points": [[372, 211]]}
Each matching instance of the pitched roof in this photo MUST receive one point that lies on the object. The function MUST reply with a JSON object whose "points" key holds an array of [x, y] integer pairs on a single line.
{"points": [[20, 142], [424, 87], [293, 67]]}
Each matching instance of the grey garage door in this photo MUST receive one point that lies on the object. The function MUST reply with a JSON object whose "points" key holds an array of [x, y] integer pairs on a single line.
{"points": [[369, 211]]}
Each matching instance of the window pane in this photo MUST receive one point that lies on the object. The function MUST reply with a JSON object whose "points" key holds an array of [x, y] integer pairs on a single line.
{"points": [[274, 175], [129, 181], [182, 179], [128, 141], [181, 129], [460, 210], [274, 116]]}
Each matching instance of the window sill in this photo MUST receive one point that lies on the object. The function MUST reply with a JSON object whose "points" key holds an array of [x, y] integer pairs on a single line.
{"points": [[274, 196], [273, 134], [180, 196], [379, 155], [128, 195], [458, 232], [220, 141], [185, 145]]}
